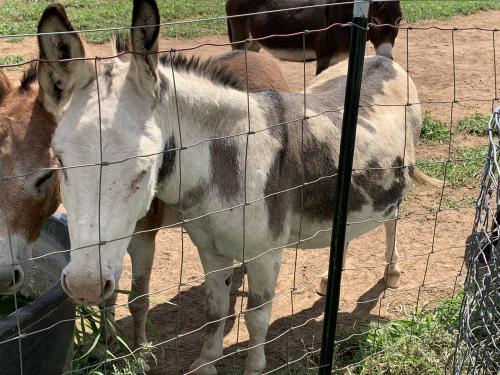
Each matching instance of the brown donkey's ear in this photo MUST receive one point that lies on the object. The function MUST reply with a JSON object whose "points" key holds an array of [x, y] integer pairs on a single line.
{"points": [[144, 39], [58, 78], [5, 86]]}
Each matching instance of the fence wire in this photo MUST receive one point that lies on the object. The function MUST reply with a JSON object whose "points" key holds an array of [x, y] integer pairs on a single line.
{"points": [[482, 299], [478, 343]]}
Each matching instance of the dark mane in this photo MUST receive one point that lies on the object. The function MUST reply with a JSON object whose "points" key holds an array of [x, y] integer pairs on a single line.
{"points": [[209, 69], [30, 75]]}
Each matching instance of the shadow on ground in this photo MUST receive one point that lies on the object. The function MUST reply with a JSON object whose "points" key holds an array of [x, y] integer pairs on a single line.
{"points": [[175, 355]]}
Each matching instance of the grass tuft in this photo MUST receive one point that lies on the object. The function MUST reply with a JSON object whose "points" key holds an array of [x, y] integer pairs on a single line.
{"points": [[422, 343], [433, 129], [475, 124], [464, 169], [89, 338], [12, 59]]}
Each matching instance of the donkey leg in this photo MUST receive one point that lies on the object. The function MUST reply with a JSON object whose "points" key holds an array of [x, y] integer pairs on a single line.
{"points": [[262, 276], [218, 271], [392, 271], [324, 280], [239, 31], [141, 250]]}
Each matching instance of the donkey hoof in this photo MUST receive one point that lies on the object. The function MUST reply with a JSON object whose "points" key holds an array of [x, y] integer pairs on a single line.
{"points": [[199, 368], [393, 280], [321, 290]]}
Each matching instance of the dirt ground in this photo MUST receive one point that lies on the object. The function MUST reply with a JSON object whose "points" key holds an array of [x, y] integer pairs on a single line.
{"points": [[431, 245]]}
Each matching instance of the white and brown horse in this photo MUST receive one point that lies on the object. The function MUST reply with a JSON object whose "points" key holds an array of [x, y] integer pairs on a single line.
{"points": [[327, 46], [26, 130], [256, 173]]}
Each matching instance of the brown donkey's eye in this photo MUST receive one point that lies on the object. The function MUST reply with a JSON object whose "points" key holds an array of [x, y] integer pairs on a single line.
{"points": [[42, 180]]}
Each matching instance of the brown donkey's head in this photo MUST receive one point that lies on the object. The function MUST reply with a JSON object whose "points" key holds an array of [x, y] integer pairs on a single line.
{"points": [[28, 193], [383, 37]]}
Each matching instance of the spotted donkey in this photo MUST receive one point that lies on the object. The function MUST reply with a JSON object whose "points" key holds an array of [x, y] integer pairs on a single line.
{"points": [[26, 129], [234, 162]]}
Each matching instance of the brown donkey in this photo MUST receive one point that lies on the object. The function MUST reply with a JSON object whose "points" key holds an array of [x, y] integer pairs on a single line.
{"points": [[323, 46], [26, 129]]}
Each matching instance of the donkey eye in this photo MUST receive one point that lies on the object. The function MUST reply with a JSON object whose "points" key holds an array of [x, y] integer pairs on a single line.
{"points": [[42, 181]]}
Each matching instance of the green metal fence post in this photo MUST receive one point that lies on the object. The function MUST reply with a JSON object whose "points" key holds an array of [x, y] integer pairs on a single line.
{"points": [[349, 122]]}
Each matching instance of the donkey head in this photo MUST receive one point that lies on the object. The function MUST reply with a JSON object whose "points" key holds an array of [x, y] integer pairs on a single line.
{"points": [[106, 126], [383, 37], [28, 191]]}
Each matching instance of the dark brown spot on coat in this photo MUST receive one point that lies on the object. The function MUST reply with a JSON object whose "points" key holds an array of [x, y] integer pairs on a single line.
{"points": [[316, 168], [168, 162], [369, 180], [194, 196], [224, 168]]}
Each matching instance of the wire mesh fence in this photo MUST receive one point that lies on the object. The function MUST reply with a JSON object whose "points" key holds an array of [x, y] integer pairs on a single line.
{"points": [[293, 338]]}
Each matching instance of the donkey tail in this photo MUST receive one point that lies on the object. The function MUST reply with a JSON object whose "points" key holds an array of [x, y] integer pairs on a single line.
{"points": [[421, 178]]}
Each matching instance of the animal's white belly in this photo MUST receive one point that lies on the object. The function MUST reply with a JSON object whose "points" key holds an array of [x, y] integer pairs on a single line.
{"points": [[291, 54]]}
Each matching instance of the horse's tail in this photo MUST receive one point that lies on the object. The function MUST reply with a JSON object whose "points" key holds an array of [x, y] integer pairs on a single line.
{"points": [[421, 178]]}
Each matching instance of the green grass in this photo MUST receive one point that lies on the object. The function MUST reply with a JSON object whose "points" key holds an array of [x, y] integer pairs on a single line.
{"points": [[475, 124], [464, 169], [415, 10], [452, 203], [433, 129], [21, 16], [88, 338], [436, 131], [12, 59], [422, 343]]}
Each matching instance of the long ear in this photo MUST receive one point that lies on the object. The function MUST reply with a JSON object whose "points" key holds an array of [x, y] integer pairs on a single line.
{"points": [[57, 79], [144, 39]]}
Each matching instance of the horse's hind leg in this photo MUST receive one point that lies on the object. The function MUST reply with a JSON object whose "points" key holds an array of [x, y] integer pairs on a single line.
{"points": [[262, 276], [392, 271], [218, 272]]}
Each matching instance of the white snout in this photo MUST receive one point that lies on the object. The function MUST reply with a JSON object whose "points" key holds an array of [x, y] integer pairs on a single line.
{"points": [[86, 287], [385, 49]]}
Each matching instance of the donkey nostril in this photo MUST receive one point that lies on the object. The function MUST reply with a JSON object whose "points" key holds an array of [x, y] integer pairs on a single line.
{"points": [[18, 277], [64, 283]]}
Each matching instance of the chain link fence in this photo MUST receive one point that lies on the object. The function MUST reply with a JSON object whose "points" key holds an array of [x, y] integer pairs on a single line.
{"points": [[478, 343]]}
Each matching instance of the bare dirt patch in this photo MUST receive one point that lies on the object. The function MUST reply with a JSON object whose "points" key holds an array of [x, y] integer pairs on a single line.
{"points": [[431, 245]]}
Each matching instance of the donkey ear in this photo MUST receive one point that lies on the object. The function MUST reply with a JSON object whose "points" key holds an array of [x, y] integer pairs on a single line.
{"points": [[5, 86], [144, 39], [57, 79]]}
